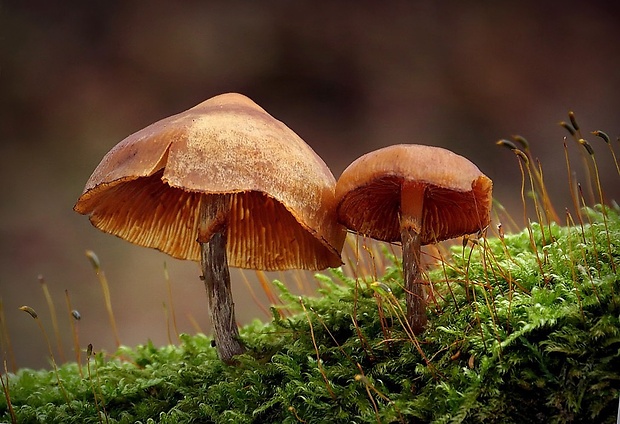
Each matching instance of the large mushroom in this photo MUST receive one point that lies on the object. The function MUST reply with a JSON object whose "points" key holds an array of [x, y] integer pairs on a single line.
{"points": [[415, 195], [223, 183]]}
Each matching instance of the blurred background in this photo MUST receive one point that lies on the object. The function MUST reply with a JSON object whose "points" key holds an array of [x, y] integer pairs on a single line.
{"points": [[77, 77]]}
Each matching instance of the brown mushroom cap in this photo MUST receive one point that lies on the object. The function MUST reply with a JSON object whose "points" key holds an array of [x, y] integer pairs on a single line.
{"points": [[457, 198], [148, 188]]}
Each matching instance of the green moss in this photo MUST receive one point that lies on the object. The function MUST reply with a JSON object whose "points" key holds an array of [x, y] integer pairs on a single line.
{"points": [[524, 329]]}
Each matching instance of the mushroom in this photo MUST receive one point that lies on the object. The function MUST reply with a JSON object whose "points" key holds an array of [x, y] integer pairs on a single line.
{"points": [[223, 183], [417, 195]]}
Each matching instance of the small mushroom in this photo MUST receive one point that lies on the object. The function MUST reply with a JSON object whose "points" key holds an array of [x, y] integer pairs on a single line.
{"points": [[223, 183], [416, 195]]}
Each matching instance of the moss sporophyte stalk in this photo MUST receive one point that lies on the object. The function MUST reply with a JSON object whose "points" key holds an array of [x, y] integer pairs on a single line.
{"points": [[522, 327]]}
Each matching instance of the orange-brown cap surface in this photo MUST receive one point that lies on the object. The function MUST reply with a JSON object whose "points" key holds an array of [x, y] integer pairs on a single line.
{"points": [[148, 188], [457, 197]]}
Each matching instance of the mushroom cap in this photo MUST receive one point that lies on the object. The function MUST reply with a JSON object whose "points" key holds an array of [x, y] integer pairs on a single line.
{"points": [[148, 188], [457, 199]]}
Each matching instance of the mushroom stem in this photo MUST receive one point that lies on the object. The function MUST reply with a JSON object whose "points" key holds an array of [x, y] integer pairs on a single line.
{"points": [[214, 263], [411, 221]]}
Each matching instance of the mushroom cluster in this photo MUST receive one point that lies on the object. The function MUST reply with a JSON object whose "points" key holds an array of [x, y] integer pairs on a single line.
{"points": [[226, 184]]}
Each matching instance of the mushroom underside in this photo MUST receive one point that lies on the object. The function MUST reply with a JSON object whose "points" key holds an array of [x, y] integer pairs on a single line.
{"points": [[262, 233], [373, 210]]}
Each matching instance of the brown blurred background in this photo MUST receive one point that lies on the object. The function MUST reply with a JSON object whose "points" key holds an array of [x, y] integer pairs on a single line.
{"points": [[77, 77]]}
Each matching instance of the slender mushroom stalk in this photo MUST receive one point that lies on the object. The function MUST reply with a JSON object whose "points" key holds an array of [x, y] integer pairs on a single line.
{"points": [[411, 223], [212, 226], [415, 195]]}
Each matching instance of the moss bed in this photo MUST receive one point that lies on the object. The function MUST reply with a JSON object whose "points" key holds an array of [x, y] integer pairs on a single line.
{"points": [[523, 328]]}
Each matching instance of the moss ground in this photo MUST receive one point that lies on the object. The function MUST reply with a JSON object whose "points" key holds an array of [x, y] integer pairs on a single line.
{"points": [[523, 328]]}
